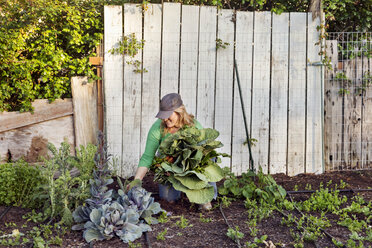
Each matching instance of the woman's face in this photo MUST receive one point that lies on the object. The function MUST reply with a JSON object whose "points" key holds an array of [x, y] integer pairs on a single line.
{"points": [[172, 120]]}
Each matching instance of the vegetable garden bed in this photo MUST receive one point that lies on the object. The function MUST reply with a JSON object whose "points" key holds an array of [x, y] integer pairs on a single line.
{"points": [[186, 226]]}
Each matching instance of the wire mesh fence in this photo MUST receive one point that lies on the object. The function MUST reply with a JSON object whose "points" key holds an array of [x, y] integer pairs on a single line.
{"points": [[348, 101]]}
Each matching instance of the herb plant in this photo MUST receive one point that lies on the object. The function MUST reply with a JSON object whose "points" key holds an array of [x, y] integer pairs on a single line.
{"points": [[18, 183]]}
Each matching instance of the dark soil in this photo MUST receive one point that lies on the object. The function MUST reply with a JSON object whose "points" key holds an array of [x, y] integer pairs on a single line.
{"points": [[213, 233]]}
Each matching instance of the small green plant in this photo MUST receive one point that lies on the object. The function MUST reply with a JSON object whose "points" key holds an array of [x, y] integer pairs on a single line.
{"points": [[204, 220], [343, 91], [323, 199], [183, 222], [225, 201], [34, 217], [252, 142], [256, 242], [133, 245], [130, 46], [163, 217], [235, 234], [221, 44], [161, 235]]}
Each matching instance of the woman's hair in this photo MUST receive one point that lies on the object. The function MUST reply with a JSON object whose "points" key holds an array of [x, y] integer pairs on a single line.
{"points": [[184, 118]]}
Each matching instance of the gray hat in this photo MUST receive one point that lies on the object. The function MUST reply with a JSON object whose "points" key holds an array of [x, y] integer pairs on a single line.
{"points": [[168, 104]]}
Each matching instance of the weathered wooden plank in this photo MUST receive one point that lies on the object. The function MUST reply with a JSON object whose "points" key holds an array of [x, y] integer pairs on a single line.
{"points": [[279, 93], [30, 142], [113, 80], [43, 111], [206, 65], [358, 95], [297, 94], [224, 81], [85, 111], [261, 88], [170, 48], [367, 115], [332, 110], [131, 94], [314, 91], [243, 56], [352, 115], [189, 56], [151, 61]]}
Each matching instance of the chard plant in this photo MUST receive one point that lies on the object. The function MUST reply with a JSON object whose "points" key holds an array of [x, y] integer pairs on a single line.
{"points": [[188, 161], [264, 189], [106, 213]]}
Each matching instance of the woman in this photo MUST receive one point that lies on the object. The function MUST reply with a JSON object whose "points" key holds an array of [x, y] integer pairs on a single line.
{"points": [[172, 116]]}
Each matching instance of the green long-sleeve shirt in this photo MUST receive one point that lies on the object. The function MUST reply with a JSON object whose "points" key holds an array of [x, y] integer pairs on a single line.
{"points": [[154, 139]]}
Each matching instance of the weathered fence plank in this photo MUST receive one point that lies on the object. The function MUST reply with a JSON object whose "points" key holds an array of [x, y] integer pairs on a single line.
{"points": [[314, 100], [113, 85], [224, 81], [261, 88], [151, 61], [170, 48], [84, 99], [367, 114], [332, 109], [279, 93], [243, 56], [42, 112], [207, 65], [189, 56], [132, 93], [297, 94]]}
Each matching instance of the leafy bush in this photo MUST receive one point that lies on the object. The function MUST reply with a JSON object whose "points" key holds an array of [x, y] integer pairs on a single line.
{"points": [[186, 162], [18, 182], [42, 46]]}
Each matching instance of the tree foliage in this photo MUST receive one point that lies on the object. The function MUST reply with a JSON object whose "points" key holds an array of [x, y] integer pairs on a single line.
{"points": [[42, 45]]}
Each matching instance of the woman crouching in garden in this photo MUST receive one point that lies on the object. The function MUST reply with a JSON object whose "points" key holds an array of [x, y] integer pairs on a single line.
{"points": [[172, 117]]}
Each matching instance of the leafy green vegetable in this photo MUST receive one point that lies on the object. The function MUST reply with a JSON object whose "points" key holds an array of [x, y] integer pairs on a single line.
{"points": [[192, 164], [106, 214]]}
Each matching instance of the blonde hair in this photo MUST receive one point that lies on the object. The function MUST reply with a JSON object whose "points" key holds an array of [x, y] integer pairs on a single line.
{"points": [[184, 118]]}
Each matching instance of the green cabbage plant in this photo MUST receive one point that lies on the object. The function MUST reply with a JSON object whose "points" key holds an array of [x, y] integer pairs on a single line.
{"points": [[107, 213], [188, 161], [127, 217]]}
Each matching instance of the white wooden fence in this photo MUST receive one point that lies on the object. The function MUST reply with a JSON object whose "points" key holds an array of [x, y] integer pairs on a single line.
{"points": [[281, 90]]}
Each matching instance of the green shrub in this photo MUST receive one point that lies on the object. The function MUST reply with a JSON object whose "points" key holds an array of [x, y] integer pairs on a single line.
{"points": [[18, 182], [42, 46]]}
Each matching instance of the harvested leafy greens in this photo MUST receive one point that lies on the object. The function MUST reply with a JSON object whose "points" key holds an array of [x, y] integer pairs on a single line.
{"points": [[188, 161]]}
